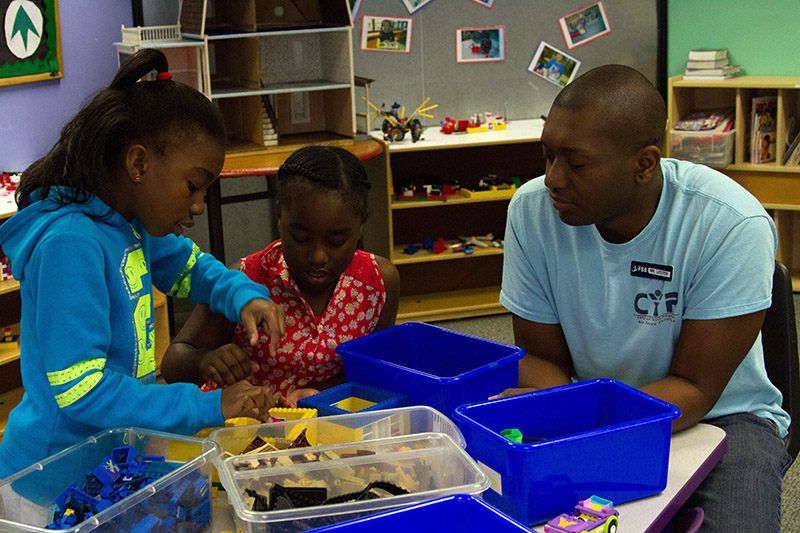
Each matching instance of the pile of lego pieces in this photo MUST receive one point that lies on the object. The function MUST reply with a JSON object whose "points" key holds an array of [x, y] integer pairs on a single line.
{"points": [[185, 504]]}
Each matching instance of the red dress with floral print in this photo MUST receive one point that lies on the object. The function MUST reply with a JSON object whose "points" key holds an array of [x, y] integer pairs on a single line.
{"points": [[307, 354]]}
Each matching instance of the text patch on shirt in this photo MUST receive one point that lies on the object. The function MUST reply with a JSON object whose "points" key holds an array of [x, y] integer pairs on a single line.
{"points": [[651, 270]]}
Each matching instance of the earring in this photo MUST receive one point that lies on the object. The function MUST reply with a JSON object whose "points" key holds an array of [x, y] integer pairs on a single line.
{"points": [[137, 177]]}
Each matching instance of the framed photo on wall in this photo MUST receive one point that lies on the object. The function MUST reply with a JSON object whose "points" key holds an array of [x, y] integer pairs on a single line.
{"points": [[485, 3], [554, 65], [386, 34], [480, 45], [30, 49], [584, 25]]}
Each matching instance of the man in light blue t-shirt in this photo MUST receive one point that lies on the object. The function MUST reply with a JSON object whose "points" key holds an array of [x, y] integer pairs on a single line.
{"points": [[652, 271]]}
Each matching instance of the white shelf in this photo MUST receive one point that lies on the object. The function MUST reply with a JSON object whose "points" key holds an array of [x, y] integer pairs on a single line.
{"points": [[279, 88], [517, 131], [273, 33]]}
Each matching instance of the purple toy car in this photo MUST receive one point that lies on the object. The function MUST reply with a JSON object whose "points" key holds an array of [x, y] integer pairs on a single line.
{"points": [[592, 515]]}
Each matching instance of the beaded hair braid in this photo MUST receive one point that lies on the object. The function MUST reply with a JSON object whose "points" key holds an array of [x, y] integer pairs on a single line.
{"points": [[327, 167]]}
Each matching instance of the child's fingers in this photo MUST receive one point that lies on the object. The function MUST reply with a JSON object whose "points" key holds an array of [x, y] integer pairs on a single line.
{"points": [[275, 324]]}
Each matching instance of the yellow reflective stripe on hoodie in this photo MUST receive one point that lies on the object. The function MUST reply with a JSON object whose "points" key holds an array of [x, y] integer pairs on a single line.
{"points": [[75, 371], [184, 282], [78, 391]]}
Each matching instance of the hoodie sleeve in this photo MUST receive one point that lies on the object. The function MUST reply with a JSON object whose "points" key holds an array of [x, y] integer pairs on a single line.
{"points": [[75, 323], [182, 270]]}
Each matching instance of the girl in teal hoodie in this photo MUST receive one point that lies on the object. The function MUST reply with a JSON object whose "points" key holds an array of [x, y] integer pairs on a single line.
{"points": [[99, 223]]}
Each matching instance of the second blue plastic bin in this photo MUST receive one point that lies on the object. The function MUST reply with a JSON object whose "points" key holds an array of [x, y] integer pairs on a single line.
{"points": [[461, 512], [433, 366], [592, 437]]}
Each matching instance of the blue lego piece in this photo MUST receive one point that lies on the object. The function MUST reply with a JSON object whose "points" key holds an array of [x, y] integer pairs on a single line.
{"points": [[412, 248], [328, 401]]}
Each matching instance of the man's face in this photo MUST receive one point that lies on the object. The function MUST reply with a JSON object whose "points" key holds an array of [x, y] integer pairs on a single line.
{"points": [[590, 176]]}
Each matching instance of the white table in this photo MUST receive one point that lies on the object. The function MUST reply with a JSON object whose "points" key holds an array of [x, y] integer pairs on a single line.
{"points": [[692, 455]]}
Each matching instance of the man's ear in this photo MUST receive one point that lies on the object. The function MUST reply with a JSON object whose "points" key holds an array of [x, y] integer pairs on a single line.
{"points": [[649, 163], [136, 162]]}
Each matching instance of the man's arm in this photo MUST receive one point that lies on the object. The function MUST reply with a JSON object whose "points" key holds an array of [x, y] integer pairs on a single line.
{"points": [[547, 360], [707, 355]]}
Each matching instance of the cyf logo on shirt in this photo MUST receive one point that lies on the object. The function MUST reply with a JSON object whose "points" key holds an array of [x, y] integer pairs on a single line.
{"points": [[650, 303]]}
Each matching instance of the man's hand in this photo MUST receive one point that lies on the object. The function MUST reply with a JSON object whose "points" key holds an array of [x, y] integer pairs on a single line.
{"points": [[267, 315], [512, 392], [245, 399]]}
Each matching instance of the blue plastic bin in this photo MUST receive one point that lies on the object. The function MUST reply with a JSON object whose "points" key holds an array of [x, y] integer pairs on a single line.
{"points": [[460, 512], [433, 366], [332, 401], [593, 437]]}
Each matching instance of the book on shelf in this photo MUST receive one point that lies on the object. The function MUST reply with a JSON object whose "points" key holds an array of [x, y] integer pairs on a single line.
{"points": [[720, 120], [720, 73], [792, 141], [763, 134], [714, 63], [792, 155], [708, 54]]}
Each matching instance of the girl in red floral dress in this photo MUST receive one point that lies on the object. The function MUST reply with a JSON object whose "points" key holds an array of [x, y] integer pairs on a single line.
{"points": [[330, 291]]}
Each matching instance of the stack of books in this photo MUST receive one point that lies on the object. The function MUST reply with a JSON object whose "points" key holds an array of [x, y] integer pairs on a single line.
{"points": [[710, 64]]}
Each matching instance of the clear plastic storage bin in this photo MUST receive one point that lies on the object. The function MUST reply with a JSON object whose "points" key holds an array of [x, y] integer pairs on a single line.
{"points": [[183, 492], [304, 488], [712, 148], [335, 429]]}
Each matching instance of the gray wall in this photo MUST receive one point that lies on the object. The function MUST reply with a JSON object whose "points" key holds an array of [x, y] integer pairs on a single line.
{"points": [[461, 89]]}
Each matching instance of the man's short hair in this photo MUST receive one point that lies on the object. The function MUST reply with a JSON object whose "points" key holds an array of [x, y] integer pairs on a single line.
{"points": [[630, 108]]}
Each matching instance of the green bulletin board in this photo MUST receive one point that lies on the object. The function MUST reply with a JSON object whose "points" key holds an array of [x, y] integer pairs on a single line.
{"points": [[30, 48]]}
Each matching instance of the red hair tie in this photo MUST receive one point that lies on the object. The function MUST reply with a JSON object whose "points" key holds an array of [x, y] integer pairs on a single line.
{"points": [[164, 76]]}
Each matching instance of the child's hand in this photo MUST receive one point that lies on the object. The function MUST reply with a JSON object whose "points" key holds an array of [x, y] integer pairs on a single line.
{"points": [[245, 399], [297, 395], [226, 365], [269, 316]]}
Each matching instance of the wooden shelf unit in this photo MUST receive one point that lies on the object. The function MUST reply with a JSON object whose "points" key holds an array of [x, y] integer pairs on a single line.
{"points": [[776, 186], [270, 67], [454, 285]]}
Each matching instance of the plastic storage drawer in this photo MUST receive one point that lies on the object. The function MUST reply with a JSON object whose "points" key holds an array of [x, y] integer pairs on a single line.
{"points": [[712, 148]]}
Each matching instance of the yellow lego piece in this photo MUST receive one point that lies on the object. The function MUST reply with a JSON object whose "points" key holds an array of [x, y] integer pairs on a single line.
{"points": [[353, 404]]}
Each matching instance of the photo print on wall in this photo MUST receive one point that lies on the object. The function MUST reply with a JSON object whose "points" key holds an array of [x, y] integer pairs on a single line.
{"points": [[385, 33], [480, 45], [416, 5], [554, 65], [584, 25]]}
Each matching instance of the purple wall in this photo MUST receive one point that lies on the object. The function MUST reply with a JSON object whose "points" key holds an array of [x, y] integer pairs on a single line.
{"points": [[32, 114]]}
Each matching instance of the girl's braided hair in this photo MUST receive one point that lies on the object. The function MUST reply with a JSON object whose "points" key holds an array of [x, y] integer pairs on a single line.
{"points": [[327, 167]]}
